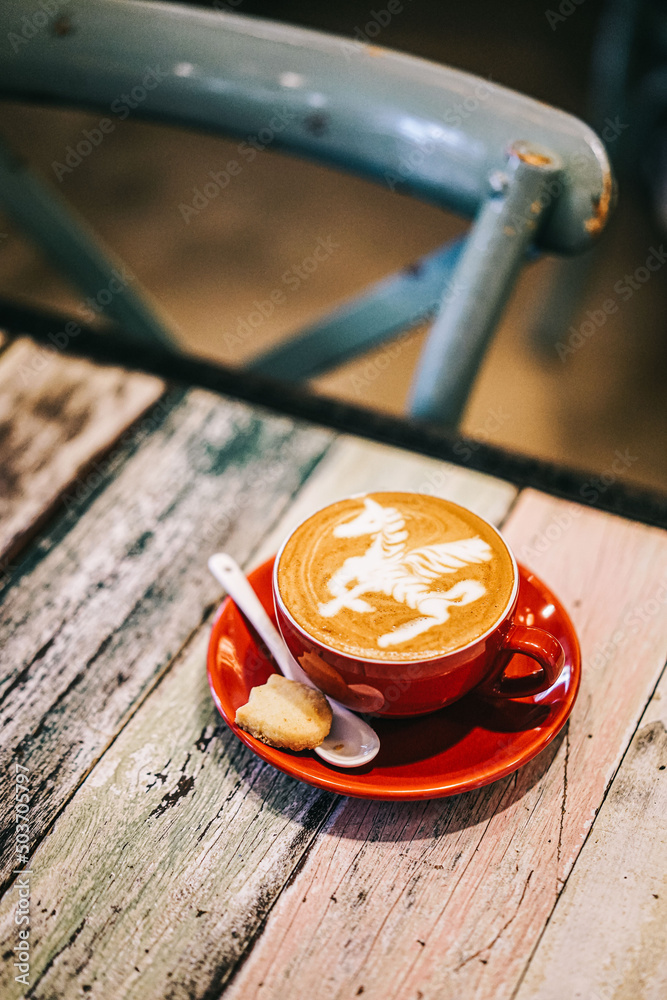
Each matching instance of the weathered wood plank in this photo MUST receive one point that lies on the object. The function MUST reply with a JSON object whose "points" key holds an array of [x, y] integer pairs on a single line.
{"points": [[608, 934], [446, 899], [353, 465], [178, 842], [56, 416], [107, 598], [158, 874]]}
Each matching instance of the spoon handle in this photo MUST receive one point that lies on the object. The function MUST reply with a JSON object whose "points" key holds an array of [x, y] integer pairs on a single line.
{"points": [[227, 572], [351, 741]]}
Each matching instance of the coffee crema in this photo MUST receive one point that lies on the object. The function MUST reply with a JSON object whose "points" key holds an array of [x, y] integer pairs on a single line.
{"points": [[395, 576]]}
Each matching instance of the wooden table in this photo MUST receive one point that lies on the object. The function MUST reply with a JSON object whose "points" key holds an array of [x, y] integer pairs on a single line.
{"points": [[166, 860]]}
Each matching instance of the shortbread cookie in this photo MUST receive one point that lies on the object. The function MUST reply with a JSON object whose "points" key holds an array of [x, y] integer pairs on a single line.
{"points": [[286, 714]]}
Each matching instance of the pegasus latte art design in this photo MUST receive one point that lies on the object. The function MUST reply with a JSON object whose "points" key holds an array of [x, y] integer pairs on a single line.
{"points": [[407, 575]]}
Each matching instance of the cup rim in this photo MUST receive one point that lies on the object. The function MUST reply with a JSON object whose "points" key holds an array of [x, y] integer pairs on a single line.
{"points": [[381, 659]]}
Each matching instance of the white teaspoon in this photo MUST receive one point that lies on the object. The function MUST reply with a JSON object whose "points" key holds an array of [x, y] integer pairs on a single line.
{"points": [[351, 741]]}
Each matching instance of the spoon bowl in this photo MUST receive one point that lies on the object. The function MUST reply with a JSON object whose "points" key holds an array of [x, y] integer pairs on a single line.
{"points": [[351, 741]]}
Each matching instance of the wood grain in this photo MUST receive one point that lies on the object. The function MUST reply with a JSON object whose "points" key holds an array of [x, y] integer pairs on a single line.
{"points": [[159, 872], [446, 899], [607, 937], [108, 596], [57, 415]]}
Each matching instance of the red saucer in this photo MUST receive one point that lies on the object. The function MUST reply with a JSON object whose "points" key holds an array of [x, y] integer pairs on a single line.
{"points": [[464, 746]]}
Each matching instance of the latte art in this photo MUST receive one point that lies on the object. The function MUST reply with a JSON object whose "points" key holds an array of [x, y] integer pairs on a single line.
{"points": [[395, 576], [406, 576]]}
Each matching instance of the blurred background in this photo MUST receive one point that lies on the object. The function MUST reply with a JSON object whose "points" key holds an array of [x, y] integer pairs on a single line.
{"points": [[206, 270]]}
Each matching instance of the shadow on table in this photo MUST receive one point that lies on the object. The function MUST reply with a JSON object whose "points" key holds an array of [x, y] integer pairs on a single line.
{"points": [[386, 821], [471, 724]]}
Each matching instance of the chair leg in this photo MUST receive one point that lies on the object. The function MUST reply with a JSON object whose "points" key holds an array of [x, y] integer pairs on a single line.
{"points": [[494, 251], [388, 308], [76, 251]]}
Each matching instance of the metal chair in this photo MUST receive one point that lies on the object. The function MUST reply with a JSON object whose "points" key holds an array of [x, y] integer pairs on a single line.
{"points": [[529, 176]]}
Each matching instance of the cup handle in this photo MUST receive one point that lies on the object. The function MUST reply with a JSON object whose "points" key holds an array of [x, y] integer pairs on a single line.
{"points": [[540, 646]]}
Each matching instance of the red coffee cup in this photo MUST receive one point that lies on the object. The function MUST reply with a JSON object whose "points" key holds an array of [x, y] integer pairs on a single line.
{"points": [[427, 683]]}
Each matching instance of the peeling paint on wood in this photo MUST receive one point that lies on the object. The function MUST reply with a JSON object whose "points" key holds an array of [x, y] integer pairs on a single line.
{"points": [[158, 875], [109, 595], [175, 774], [56, 416], [176, 858]]}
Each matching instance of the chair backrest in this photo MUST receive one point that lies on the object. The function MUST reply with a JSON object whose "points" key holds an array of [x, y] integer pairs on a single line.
{"points": [[528, 174], [436, 132]]}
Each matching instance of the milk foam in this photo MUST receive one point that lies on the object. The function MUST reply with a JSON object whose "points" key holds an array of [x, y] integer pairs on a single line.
{"points": [[395, 576]]}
